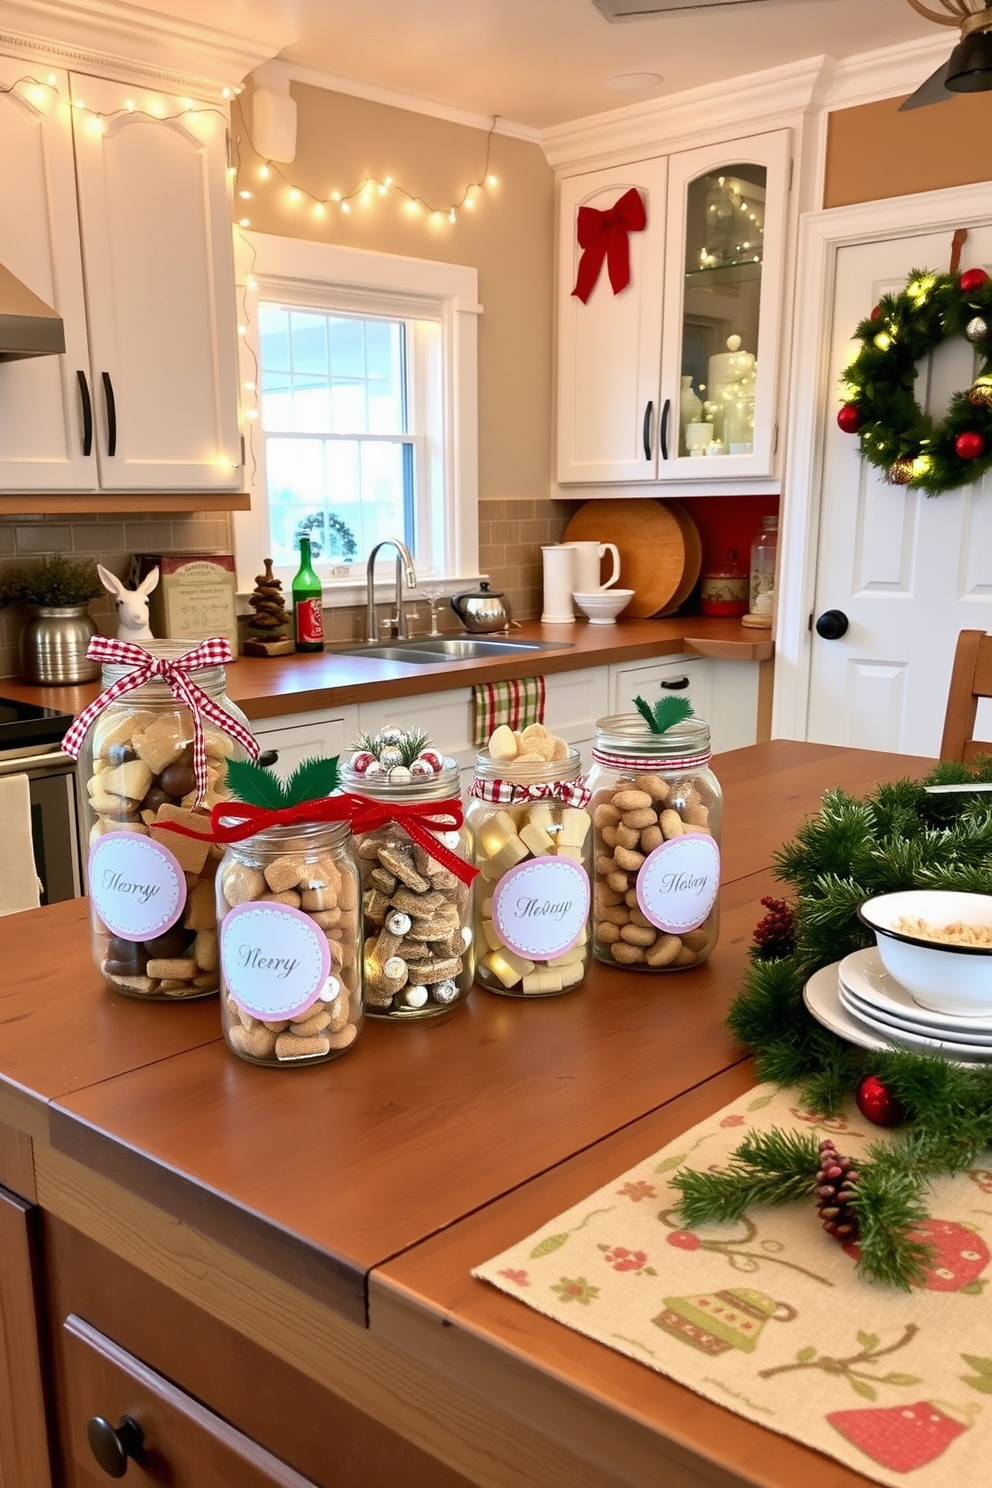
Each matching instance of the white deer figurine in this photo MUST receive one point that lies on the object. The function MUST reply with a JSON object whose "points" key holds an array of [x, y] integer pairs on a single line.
{"points": [[132, 604]]}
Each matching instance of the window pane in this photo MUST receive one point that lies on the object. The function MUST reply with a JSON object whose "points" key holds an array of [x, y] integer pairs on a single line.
{"points": [[295, 474], [384, 351], [348, 415], [273, 337], [311, 408], [309, 334], [347, 347]]}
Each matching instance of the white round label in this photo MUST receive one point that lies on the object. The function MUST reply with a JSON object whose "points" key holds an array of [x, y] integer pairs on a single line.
{"points": [[678, 883], [540, 908], [136, 885], [275, 960]]}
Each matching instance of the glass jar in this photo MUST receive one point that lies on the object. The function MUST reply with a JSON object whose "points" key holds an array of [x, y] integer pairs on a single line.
{"points": [[533, 850], [290, 917], [723, 588], [764, 550], [657, 815], [152, 916], [419, 959]]}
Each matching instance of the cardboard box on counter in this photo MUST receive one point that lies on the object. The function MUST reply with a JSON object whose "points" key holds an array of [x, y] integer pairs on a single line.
{"points": [[195, 595]]}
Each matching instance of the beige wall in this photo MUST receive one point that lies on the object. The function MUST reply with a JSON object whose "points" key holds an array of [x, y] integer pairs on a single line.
{"points": [[508, 237], [874, 151]]}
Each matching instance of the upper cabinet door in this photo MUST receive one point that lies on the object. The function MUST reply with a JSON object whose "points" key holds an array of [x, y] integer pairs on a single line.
{"points": [[158, 265], [723, 292], [42, 428], [608, 348]]}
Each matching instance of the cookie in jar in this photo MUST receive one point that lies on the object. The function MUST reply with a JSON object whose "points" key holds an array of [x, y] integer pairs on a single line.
{"points": [[656, 810], [152, 751], [529, 817], [414, 855]]}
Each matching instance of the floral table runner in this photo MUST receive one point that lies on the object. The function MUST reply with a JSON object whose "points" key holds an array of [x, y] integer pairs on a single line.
{"points": [[767, 1316]]}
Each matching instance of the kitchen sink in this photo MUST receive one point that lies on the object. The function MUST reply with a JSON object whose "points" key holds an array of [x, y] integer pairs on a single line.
{"points": [[428, 651]]}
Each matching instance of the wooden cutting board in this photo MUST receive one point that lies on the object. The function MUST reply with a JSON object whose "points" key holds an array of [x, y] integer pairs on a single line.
{"points": [[654, 545]]}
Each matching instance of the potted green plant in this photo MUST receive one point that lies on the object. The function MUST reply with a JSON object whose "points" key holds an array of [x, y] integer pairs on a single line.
{"points": [[55, 591]]}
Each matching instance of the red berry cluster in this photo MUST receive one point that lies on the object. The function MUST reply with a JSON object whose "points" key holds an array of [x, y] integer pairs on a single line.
{"points": [[775, 935], [836, 1181]]}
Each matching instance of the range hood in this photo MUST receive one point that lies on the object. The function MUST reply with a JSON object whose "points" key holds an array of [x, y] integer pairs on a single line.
{"points": [[28, 327]]}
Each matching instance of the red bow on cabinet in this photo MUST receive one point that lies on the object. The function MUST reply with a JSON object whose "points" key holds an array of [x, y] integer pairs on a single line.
{"points": [[604, 235]]}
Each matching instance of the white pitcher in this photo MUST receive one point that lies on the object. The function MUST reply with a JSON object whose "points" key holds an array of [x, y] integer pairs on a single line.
{"points": [[587, 565]]}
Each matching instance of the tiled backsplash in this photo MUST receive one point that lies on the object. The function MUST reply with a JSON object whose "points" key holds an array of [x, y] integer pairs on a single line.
{"points": [[510, 537]]}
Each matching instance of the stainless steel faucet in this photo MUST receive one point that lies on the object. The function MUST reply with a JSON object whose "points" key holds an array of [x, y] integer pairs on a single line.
{"points": [[404, 566]]}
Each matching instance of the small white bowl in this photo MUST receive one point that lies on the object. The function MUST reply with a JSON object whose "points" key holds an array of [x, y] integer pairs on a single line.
{"points": [[954, 979], [604, 605]]}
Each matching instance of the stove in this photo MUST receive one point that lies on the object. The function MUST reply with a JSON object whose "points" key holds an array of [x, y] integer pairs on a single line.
{"points": [[26, 725], [30, 744]]}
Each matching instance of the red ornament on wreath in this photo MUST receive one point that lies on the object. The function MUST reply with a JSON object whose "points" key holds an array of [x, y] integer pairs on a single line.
{"points": [[972, 279], [849, 418], [877, 1103], [970, 445]]}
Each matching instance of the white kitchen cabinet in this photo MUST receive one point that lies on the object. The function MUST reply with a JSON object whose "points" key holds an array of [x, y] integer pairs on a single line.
{"points": [[708, 266], [725, 693], [306, 736], [115, 210]]}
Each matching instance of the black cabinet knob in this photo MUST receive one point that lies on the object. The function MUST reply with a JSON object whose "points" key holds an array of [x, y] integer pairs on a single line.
{"points": [[268, 757], [831, 625], [113, 1446]]}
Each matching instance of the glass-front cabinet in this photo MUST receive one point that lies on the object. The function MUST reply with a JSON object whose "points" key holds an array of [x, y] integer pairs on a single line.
{"points": [[675, 377]]}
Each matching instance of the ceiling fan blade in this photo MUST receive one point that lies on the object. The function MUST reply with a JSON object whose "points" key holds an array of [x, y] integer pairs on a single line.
{"points": [[933, 90]]}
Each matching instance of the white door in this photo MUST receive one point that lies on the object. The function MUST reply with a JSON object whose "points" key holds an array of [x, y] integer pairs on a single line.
{"points": [[609, 348], [909, 571], [159, 272], [43, 444]]}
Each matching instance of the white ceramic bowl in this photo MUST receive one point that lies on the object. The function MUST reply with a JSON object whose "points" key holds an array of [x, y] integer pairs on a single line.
{"points": [[953, 979], [604, 605]]}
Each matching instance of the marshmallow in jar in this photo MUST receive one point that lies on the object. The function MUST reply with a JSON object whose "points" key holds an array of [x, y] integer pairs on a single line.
{"points": [[656, 810], [152, 913], [532, 830], [418, 955], [289, 912]]}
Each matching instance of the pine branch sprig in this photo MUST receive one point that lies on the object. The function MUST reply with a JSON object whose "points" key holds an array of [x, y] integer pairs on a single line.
{"points": [[774, 1167]]}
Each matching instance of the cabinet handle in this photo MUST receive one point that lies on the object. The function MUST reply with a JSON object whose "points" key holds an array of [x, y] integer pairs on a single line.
{"points": [[108, 392], [113, 1446], [646, 431], [676, 684], [663, 428], [84, 393], [268, 757]]}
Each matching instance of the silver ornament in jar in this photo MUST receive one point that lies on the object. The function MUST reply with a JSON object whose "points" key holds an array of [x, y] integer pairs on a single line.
{"points": [[657, 817]]}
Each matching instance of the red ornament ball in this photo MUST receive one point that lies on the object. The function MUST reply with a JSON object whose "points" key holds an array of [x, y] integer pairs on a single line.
{"points": [[972, 279], [900, 472], [876, 312], [877, 1103], [970, 445], [849, 418]]}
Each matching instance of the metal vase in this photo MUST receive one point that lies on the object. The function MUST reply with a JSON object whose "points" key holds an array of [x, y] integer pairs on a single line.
{"points": [[54, 642]]}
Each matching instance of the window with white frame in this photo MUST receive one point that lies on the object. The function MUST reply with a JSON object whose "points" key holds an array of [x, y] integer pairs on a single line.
{"points": [[360, 388]]}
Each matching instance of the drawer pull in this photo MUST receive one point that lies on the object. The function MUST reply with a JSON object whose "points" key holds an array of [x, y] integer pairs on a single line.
{"points": [[112, 1447], [268, 757], [676, 684]]}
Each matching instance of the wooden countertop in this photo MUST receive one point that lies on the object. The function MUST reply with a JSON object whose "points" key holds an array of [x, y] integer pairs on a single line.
{"points": [[280, 685], [372, 1184]]}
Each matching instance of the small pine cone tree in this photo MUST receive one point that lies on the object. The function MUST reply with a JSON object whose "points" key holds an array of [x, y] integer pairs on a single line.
{"points": [[836, 1183], [270, 622]]}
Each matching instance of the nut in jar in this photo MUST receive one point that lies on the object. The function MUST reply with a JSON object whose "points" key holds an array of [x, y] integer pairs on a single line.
{"points": [[531, 826], [656, 810]]}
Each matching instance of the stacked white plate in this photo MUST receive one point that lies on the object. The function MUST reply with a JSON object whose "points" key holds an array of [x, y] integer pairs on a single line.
{"points": [[858, 999]]}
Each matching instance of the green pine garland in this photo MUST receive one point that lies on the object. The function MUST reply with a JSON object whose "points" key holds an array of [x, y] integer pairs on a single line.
{"points": [[879, 392], [896, 837]]}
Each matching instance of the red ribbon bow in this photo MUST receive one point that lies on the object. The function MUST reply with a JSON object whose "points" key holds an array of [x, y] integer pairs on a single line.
{"points": [[175, 671], [233, 821], [604, 235]]}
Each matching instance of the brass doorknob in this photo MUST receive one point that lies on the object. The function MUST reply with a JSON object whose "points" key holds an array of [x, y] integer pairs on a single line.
{"points": [[112, 1446]]}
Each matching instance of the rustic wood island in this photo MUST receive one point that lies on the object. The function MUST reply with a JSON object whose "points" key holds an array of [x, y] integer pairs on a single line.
{"points": [[269, 1270]]}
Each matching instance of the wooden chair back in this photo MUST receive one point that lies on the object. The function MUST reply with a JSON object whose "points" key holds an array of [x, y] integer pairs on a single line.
{"points": [[971, 679]]}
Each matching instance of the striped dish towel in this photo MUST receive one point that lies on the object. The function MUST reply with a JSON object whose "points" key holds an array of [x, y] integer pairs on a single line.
{"points": [[516, 703]]}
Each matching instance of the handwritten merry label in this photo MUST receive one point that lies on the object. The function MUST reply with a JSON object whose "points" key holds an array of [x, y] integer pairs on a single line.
{"points": [[678, 883], [274, 960], [137, 887], [540, 908]]}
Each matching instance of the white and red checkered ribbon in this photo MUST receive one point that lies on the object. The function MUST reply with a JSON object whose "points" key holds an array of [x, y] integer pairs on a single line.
{"points": [[174, 671], [569, 792], [644, 765]]}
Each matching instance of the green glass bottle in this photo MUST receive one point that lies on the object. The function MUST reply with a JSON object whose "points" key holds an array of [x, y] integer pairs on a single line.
{"points": [[308, 612]]}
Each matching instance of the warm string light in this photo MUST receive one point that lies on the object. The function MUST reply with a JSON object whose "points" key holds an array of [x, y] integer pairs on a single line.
{"points": [[41, 90], [370, 188]]}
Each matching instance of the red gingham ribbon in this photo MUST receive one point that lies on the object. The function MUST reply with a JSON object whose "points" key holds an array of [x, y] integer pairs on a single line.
{"points": [[175, 671], [645, 765], [571, 792], [234, 821]]}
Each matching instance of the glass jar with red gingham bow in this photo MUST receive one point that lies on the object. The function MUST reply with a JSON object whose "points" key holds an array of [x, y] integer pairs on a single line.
{"points": [[152, 749], [531, 826]]}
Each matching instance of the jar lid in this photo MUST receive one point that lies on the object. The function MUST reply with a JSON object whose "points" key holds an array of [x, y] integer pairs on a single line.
{"points": [[626, 739]]}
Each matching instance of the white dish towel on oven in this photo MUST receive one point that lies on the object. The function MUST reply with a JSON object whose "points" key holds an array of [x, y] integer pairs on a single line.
{"points": [[19, 887]]}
